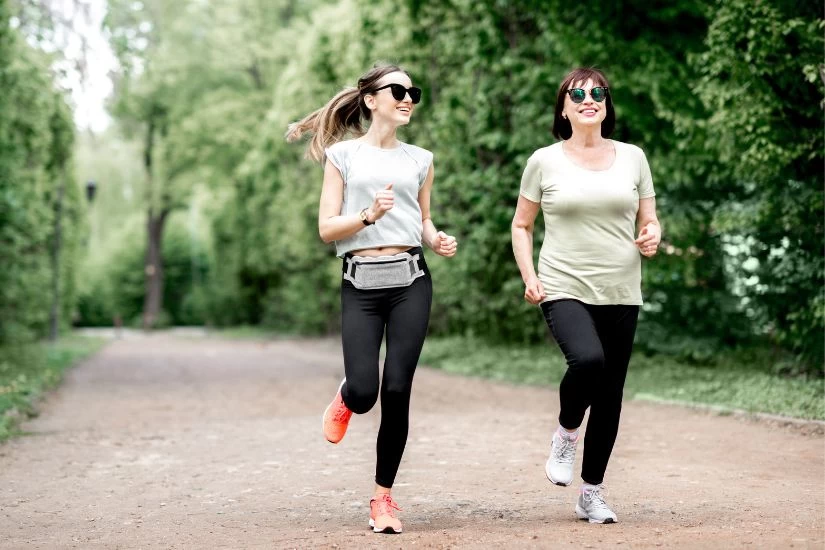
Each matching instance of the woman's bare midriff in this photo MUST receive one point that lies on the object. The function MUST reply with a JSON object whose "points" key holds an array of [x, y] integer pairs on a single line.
{"points": [[382, 251]]}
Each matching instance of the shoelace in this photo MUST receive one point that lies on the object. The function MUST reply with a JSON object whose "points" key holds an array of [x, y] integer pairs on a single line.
{"points": [[596, 497], [566, 451], [342, 413], [386, 505]]}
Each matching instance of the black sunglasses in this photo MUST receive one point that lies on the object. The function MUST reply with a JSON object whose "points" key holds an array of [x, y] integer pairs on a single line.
{"points": [[399, 92], [598, 93]]}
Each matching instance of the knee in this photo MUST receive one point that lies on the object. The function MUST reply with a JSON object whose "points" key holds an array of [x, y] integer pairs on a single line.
{"points": [[360, 400], [590, 361]]}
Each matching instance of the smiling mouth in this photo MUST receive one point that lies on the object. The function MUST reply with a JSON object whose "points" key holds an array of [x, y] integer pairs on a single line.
{"points": [[405, 110]]}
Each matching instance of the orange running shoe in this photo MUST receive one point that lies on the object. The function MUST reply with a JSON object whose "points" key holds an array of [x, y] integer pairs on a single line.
{"points": [[382, 515], [336, 418]]}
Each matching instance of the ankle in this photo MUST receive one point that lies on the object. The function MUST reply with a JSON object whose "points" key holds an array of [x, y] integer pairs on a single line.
{"points": [[381, 491], [588, 488], [570, 435]]}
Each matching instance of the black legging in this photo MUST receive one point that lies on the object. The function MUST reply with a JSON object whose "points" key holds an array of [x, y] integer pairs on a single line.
{"points": [[405, 313], [596, 342]]}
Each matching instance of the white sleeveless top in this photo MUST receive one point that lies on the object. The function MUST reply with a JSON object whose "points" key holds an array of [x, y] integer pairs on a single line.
{"points": [[367, 169]]}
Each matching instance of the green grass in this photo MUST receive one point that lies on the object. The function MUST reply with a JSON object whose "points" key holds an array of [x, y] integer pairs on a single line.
{"points": [[26, 372], [736, 381]]}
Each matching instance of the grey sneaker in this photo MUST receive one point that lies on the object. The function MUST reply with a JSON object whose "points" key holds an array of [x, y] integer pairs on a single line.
{"points": [[559, 467], [591, 506]]}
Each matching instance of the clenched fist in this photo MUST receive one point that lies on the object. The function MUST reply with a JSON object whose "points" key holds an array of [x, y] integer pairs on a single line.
{"points": [[444, 245], [648, 240], [383, 203]]}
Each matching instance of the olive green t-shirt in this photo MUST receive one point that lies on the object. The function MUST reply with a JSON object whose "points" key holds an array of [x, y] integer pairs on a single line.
{"points": [[588, 252]]}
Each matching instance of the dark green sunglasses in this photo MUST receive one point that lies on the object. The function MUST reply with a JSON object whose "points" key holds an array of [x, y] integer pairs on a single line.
{"points": [[598, 93]]}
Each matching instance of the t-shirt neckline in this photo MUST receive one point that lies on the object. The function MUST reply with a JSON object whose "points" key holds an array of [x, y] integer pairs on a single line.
{"points": [[580, 167], [386, 149]]}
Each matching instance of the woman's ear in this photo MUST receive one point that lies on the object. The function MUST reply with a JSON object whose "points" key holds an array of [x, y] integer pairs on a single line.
{"points": [[369, 101]]}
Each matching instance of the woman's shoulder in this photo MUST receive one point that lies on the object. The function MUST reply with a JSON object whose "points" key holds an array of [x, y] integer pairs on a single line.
{"points": [[546, 154], [627, 147], [419, 154], [343, 145], [415, 149], [341, 153]]}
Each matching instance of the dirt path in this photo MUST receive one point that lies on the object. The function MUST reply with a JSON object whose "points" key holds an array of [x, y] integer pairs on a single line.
{"points": [[183, 442]]}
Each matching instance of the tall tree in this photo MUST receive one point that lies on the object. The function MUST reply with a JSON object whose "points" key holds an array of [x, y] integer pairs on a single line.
{"points": [[192, 80]]}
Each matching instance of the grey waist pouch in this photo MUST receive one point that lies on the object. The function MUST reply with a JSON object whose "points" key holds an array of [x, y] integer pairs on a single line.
{"points": [[367, 273]]}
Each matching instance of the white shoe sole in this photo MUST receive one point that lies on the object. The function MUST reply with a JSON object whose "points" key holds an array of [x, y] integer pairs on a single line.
{"points": [[581, 514], [386, 530], [550, 478]]}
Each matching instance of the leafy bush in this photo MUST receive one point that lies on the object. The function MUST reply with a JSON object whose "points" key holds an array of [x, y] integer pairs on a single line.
{"points": [[37, 191], [115, 282]]}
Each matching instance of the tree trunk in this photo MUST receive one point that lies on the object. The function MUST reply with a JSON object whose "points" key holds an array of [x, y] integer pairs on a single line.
{"points": [[153, 269], [153, 264]]}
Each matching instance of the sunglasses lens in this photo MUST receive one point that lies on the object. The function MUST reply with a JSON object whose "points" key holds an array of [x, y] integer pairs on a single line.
{"points": [[398, 91], [577, 95], [415, 94], [598, 94]]}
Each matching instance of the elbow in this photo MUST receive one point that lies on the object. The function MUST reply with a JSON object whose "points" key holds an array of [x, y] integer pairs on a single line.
{"points": [[519, 227], [325, 235]]}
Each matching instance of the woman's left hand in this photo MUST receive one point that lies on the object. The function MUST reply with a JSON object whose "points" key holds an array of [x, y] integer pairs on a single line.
{"points": [[649, 238], [444, 245]]}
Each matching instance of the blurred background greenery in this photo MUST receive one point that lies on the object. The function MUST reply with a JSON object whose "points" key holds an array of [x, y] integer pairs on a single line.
{"points": [[203, 215]]}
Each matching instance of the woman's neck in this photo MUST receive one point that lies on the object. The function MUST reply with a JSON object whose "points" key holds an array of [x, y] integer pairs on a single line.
{"points": [[584, 138], [381, 135]]}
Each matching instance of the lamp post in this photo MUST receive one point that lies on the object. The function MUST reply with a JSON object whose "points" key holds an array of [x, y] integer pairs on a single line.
{"points": [[57, 244], [91, 189]]}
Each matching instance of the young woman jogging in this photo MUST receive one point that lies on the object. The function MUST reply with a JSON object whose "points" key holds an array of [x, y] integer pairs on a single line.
{"points": [[375, 206], [597, 199]]}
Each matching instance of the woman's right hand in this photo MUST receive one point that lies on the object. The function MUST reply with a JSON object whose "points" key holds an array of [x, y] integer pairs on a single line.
{"points": [[382, 204], [534, 291]]}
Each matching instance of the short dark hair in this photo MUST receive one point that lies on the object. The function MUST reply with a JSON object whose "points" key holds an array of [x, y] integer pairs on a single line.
{"points": [[561, 126]]}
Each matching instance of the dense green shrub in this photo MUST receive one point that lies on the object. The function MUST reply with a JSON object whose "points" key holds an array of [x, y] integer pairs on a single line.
{"points": [[36, 185]]}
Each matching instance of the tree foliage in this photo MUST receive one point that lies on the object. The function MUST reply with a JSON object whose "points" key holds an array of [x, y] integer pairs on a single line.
{"points": [[36, 138], [761, 79], [724, 97]]}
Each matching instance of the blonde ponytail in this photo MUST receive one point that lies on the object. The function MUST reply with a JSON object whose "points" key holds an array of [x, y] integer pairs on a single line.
{"points": [[342, 114], [330, 123]]}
